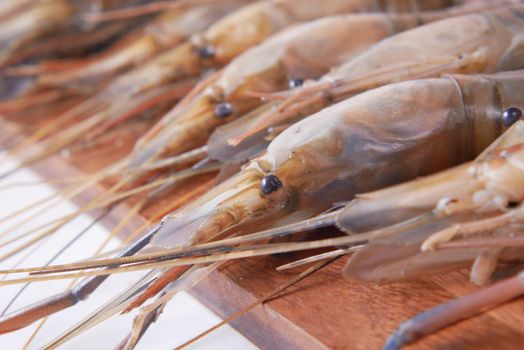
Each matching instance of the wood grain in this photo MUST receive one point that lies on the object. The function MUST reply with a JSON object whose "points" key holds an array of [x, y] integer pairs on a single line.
{"points": [[324, 310]]}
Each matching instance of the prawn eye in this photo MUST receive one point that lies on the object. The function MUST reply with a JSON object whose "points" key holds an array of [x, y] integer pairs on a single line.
{"points": [[206, 52], [511, 115], [223, 110], [296, 82], [270, 184]]}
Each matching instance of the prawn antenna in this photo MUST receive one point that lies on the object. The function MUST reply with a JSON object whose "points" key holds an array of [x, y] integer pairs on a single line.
{"points": [[56, 256]]}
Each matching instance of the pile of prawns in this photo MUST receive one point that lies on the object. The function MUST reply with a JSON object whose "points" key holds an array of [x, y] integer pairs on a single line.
{"points": [[398, 122]]}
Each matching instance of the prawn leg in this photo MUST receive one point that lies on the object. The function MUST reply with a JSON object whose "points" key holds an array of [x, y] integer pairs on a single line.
{"points": [[484, 265], [468, 229]]}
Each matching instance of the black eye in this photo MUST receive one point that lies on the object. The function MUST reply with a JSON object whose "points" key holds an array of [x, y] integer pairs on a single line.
{"points": [[511, 115], [270, 184], [294, 83], [223, 110], [206, 52]]}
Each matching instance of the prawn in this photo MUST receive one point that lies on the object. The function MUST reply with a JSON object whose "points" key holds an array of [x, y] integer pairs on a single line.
{"points": [[307, 169], [492, 42], [437, 197]]}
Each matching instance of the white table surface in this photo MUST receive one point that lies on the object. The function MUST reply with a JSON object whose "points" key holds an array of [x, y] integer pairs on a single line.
{"points": [[183, 318]]}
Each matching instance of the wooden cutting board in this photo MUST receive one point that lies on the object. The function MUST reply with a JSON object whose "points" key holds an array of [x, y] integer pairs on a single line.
{"points": [[322, 311]]}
